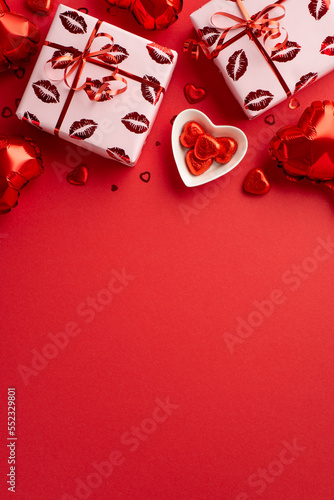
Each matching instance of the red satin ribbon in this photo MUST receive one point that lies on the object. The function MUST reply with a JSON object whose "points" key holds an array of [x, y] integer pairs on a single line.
{"points": [[76, 66], [269, 28]]}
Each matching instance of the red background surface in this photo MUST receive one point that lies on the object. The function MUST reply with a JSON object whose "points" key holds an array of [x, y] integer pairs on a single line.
{"points": [[164, 335]]}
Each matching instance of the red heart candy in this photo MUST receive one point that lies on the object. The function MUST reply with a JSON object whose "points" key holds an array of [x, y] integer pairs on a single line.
{"points": [[194, 94], [256, 182], [196, 166], [79, 176], [228, 147], [190, 132], [206, 146]]}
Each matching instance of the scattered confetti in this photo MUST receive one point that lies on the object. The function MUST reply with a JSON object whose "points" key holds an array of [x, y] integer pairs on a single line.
{"points": [[173, 119], [145, 176], [79, 176], [158, 143], [19, 73], [294, 103], [270, 120], [114, 187], [6, 112]]}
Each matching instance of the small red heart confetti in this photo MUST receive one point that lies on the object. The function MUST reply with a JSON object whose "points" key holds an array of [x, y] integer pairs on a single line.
{"points": [[145, 176], [17, 102], [196, 166], [158, 143], [83, 9], [294, 103], [228, 147], [172, 120], [194, 94], [270, 120], [190, 132], [206, 147], [19, 73], [79, 176], [256, 182], [114, 187], [6, 112]]}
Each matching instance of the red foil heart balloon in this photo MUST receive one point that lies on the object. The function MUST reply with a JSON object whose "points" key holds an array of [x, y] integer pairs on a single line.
{"points": [[151, 14], [256, 182], [307, 149], [20, 161], [18, 38], [79, 176], [42, 7], [194, 94]]}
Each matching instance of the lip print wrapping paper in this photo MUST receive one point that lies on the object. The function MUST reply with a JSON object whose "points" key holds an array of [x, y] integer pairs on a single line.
{"points": [[307, 55], [115, 126]]}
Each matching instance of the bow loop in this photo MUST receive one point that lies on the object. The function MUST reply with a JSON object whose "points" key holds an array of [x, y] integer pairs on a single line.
{"points": [[76, 62]]}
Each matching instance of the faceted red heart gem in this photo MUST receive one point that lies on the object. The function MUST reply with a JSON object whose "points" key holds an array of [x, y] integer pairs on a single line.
{"points": [[206, 146], [228, 147], [256, 182], [190, 132], [194, 94], [79, 176], [196, 166]]}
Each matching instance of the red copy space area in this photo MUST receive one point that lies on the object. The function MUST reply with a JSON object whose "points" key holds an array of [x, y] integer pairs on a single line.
{"points": [[166, 342]]}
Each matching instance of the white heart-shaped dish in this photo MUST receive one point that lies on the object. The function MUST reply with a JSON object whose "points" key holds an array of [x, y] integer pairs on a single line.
{"points": [[216, 170]]}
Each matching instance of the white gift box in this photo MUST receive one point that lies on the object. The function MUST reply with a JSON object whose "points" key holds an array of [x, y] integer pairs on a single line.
{"points": [[259, 78], [117, 125]]}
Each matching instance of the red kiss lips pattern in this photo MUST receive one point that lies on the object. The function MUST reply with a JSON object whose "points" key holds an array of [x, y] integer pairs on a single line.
{"points": [[62, 53], [73, 22], [306, 80], [237, 65], [327, 46], [95, 85], [258, 100], [136, 123], [318, 8], [209, 35], [286, 53], [46, 92], [118, 52], [160, 54], [83, 129], [32, 119], [119, 154], [151, 94]]}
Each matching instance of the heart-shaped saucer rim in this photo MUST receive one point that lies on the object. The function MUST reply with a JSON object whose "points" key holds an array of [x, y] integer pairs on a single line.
{"points": [[216, 170]]}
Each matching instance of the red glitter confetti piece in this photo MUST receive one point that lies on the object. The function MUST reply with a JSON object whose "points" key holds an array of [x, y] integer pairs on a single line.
{"points": [[294, 103]]}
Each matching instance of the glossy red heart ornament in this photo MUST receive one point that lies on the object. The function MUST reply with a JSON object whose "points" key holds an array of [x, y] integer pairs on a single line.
{"points": [[256, 182], [190, 132], [18, 38], [194, 94], [79, 176], [206, 147], [228, 147], [20, 161], [307, 149], [196, 166], [151, 14]]}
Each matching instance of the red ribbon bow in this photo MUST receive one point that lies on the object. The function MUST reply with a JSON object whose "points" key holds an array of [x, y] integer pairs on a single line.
{"points": [[268, 26], [76, 63]]}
